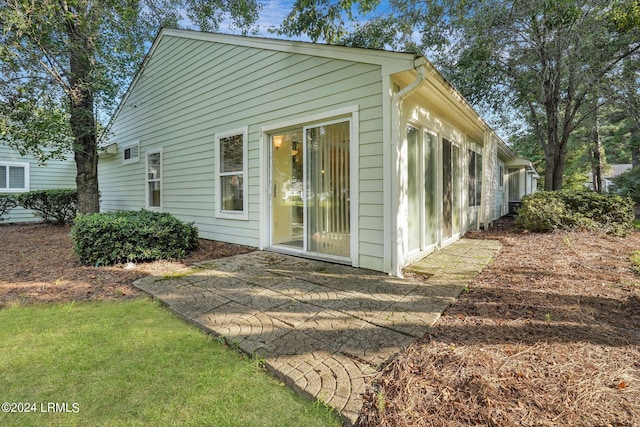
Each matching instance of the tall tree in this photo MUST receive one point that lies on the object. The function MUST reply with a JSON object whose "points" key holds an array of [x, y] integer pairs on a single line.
{"points": [[541, 57], [65, 62]]}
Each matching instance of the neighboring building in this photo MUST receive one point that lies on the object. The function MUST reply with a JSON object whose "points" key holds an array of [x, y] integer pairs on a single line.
{"points": [[523, 180], [364, 157], [612, 171], [20, 174]]}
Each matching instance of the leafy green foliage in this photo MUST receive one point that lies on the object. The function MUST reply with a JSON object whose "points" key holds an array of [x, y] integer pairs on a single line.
{"points": [[544, 60], [576, 210], [63, 65], [58, 206], [628, 184], [114, 237], [324, 19], [7, 202]]}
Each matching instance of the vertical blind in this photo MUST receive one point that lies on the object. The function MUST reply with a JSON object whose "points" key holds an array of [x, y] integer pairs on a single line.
{"points": [[328, 184]]}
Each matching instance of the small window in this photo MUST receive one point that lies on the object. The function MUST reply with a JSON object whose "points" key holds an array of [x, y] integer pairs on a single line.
{"points": [[501, 176], [14, 177], [130, 153], [232, 188], [154, 180]]}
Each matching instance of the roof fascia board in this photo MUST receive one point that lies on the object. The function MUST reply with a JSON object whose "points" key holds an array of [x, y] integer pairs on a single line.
{"points": [[391, 62], [446, 89]]}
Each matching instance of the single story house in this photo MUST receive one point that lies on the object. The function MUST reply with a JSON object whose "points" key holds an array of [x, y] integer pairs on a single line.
{"points": [[611, 172], [19, 174], [364, 157]]}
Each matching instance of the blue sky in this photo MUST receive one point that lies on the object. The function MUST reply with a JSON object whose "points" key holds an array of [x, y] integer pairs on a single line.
{"points": [[274, 12]]}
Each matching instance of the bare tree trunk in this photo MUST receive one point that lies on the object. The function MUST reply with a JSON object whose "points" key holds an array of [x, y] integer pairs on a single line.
{"points": [[596, 166], [555, 156], [83, 125]]}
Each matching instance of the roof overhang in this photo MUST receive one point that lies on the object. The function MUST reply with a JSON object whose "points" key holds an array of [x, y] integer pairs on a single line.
{"points": [[521, 163]]}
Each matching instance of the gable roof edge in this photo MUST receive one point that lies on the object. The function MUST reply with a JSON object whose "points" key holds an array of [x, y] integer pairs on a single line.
{"points": [[101, 139], [390, 61]]}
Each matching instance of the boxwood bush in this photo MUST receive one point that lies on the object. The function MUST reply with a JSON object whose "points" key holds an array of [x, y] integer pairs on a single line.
{"points": [[117, 237], [576, 210], [58, 206]]}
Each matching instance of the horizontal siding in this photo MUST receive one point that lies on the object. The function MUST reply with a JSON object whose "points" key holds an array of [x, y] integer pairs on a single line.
{"points": [[55, 174], [190, 90]]}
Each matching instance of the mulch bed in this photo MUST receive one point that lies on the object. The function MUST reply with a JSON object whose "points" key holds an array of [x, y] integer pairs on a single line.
{"points": [[38, 265], [548, 335]]}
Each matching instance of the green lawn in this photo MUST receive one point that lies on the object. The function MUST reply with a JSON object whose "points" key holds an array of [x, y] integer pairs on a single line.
{"points": [[135, 364]]}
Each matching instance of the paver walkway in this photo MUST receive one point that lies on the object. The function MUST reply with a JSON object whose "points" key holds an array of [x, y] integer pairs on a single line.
{"points": [[324, 329]]}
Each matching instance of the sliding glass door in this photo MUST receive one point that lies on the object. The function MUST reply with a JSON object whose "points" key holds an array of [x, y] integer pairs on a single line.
{"points": [[433, 190], [422, 188], [310, 182]]}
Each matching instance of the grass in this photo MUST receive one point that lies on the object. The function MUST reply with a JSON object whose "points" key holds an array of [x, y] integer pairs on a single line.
{"points": [[135, 364]]}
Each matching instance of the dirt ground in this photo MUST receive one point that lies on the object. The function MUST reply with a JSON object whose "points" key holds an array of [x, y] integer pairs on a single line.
{"points": [[547, 335]]}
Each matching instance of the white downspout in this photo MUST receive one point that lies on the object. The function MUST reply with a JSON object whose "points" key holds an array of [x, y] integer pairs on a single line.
{"points": [[399, 231]]}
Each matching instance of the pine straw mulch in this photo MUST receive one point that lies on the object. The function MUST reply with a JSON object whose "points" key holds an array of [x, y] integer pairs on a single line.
{"points": [[548, 335], [37, 265]]}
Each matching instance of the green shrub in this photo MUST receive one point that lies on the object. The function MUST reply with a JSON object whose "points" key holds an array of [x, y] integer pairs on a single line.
{"points": [[576, 210], [542, 211], [57, 206], [628, 184], [7, 202], [116, 237]]}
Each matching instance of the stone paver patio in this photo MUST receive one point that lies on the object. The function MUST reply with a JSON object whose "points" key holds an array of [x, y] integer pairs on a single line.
{"points": [[324, 329]]}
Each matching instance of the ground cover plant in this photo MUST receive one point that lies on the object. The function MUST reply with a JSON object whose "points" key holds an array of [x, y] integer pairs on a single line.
{"points": [[134, 363]]}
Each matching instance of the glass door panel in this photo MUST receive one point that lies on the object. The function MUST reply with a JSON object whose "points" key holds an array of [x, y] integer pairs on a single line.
{"points": [[447, 190], [327, 200], [430, 190], [413, 189], [287, 190], [455, 184]]}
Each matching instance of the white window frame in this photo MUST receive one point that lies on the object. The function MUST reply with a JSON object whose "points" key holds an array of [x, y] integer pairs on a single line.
{"points": [[132, 159], [25, 166], [147, 180], [219, 211]]}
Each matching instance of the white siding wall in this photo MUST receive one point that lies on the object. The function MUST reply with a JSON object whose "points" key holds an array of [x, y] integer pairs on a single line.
{"points": [[500, 206], [56, 174], [192, 89]]}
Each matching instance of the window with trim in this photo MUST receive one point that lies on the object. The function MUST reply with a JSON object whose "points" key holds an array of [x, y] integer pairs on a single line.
{"points": [[501, 176], [14, 177], [232, 188], [475, 178], [131, 153], [154, 180]]}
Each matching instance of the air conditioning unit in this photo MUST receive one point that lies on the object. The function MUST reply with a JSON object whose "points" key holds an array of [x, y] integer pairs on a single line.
{"points": [[111, 149]]}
